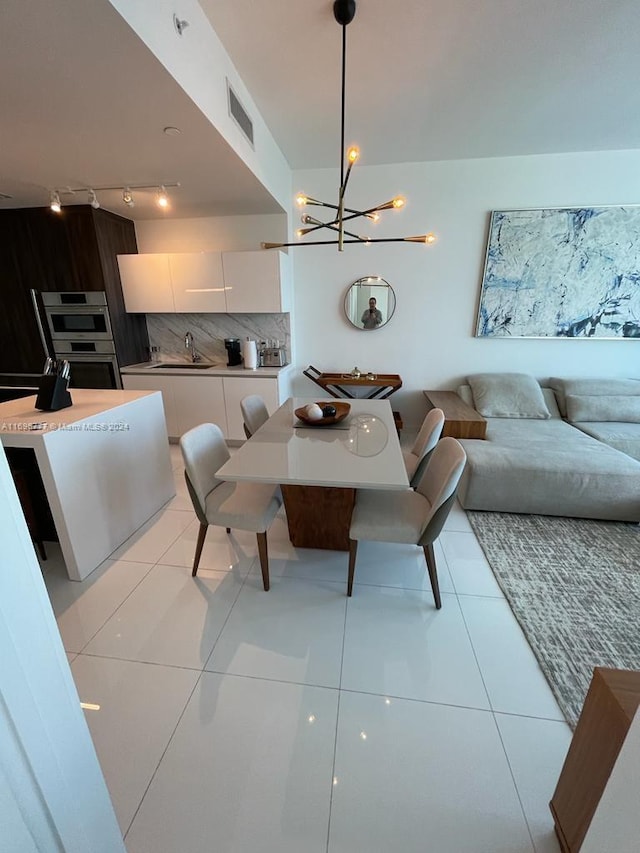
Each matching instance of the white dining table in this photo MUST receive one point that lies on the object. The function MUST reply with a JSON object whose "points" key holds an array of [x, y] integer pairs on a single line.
{"points": [[319, 468]]}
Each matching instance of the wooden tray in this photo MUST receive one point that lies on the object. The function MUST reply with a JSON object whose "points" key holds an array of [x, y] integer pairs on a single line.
{"points": [[342, 410]]}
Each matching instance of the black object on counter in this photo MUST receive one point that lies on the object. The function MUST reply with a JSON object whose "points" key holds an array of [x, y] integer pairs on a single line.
{"points": [[53, 393], [234, 351]]}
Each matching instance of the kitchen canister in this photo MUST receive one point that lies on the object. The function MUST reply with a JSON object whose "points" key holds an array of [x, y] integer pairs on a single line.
{"points": [[250, 354]]}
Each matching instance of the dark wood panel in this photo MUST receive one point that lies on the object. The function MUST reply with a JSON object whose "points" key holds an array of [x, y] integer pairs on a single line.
{"points": [[319, 516], [71, 251], [116, 236], [21, 350]]}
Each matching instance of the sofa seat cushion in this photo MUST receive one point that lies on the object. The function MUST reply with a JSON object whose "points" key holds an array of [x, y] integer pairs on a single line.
{"points": [[624, 437], [508, 395], [583, 478], [534, 434]]}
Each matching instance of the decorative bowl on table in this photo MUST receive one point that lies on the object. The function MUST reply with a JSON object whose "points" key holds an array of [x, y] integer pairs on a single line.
{"points": [[323, 413]]}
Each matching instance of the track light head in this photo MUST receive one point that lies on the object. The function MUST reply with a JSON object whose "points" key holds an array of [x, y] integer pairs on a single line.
{"points": [[163, 199], [54, 201], [93, 199], [127, 197]]}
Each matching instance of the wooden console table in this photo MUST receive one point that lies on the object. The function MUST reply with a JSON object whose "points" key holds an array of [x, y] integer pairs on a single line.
{"points": [[382, 385], [612, 700], [460, 420]]}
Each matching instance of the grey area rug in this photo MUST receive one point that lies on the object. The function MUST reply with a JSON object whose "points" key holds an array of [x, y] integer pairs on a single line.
{"points": [[574, 587]]}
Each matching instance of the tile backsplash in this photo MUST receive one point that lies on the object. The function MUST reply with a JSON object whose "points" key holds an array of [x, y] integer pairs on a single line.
{"points": [[167, 331]]}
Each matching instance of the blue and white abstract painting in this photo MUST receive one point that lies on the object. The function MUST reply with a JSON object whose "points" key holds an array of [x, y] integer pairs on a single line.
{"points": [[562, 273]]}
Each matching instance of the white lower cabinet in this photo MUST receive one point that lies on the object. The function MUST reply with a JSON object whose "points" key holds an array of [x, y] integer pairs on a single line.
{"points": [[199, 400], [165, 384], [192, 400], [237, 388]]}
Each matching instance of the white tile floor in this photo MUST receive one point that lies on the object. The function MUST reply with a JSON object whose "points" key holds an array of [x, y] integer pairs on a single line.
{"points": [[299, 720]]}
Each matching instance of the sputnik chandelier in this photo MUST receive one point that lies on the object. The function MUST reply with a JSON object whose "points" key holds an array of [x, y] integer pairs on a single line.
{"points": [[344, 12]]}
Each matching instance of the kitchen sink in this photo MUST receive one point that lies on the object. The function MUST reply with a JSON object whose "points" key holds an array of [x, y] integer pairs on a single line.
{"points": [[175, 366]]}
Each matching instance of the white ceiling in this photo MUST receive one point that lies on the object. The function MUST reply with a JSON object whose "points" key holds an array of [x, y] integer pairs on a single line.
{"points": [[84, 103]]}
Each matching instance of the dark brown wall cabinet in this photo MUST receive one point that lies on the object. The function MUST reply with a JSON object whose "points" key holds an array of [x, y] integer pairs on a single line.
{"points": [[73, 250]]}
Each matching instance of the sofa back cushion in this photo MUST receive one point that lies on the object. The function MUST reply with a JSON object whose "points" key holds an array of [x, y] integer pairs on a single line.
{"points": [[623, 408], [591, 387], [508, 395]]}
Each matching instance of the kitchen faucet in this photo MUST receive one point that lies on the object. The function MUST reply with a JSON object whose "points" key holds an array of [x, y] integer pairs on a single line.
{"points": [[191, 347]]}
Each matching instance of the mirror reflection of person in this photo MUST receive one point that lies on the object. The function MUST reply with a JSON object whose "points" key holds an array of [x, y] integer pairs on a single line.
{"points": [[371, 317]]}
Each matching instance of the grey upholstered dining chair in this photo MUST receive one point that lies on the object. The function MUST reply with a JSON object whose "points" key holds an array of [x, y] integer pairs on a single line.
{"points": [[254, 413], [244, 506], [411, 517], [416, 459]]}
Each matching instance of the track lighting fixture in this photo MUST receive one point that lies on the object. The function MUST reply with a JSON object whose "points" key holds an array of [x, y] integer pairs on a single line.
{"points": [[93, 199], [344, 11], [162, 198]]}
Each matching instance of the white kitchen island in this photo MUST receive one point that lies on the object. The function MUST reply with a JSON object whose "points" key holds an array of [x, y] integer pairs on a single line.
{"points": [[104, 463]]}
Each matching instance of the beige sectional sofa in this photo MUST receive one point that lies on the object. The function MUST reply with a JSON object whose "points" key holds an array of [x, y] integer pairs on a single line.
{"points": [[554, 449]]}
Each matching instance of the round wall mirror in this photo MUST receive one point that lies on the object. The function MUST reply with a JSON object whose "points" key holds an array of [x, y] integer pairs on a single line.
{"points": [[369, 303]]}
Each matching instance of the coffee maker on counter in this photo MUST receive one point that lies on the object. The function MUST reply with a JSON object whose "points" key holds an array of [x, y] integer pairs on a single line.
{"points": [[234, 351]]}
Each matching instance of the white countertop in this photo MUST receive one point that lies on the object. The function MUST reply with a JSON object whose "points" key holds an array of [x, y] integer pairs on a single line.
{"points": [[363, 451], [151, 367], [21, 417]]}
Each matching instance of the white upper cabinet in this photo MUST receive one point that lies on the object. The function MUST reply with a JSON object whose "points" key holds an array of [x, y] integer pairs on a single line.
{"points": [[196, 279], [200, 282], [146, 283], [257, 282]]}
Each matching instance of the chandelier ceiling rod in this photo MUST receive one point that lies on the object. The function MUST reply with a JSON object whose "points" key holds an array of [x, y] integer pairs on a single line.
{"points": [[344, 12]]}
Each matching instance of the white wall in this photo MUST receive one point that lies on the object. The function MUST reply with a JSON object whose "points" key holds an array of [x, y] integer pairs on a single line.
{"points": [[52, 793], [430, 340], [210, 234]]}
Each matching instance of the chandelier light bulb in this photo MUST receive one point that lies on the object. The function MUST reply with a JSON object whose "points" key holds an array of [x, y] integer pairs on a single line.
{"points": [[163, 200], [398, 202], [127, 197], [353, 153], [54, 201], [301, 200], [299, 233], [430, 238]]}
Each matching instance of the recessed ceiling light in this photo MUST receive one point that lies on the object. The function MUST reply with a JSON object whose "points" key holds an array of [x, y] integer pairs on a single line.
{"points": [[172, 131]]}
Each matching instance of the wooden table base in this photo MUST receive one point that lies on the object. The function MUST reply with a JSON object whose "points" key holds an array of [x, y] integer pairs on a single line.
{"points": [[319, 516]]}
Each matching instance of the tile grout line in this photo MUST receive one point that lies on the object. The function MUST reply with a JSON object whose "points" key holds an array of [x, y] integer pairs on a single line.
{"points": [[335, 741], [513, 779], [111, 615], [164, 752]]}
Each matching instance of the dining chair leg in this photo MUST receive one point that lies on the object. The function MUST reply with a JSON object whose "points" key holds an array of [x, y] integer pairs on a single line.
{"points": [[433, 573], [264, 559], [196, 560], [353, 547]]}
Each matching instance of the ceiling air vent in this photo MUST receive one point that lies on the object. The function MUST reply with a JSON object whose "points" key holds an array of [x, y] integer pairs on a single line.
{"points": [[238, 112]]}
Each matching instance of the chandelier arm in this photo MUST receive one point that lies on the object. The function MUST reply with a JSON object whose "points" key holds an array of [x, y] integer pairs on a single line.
{"points": [[420, 239], [332, 227], [350, 210]]}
